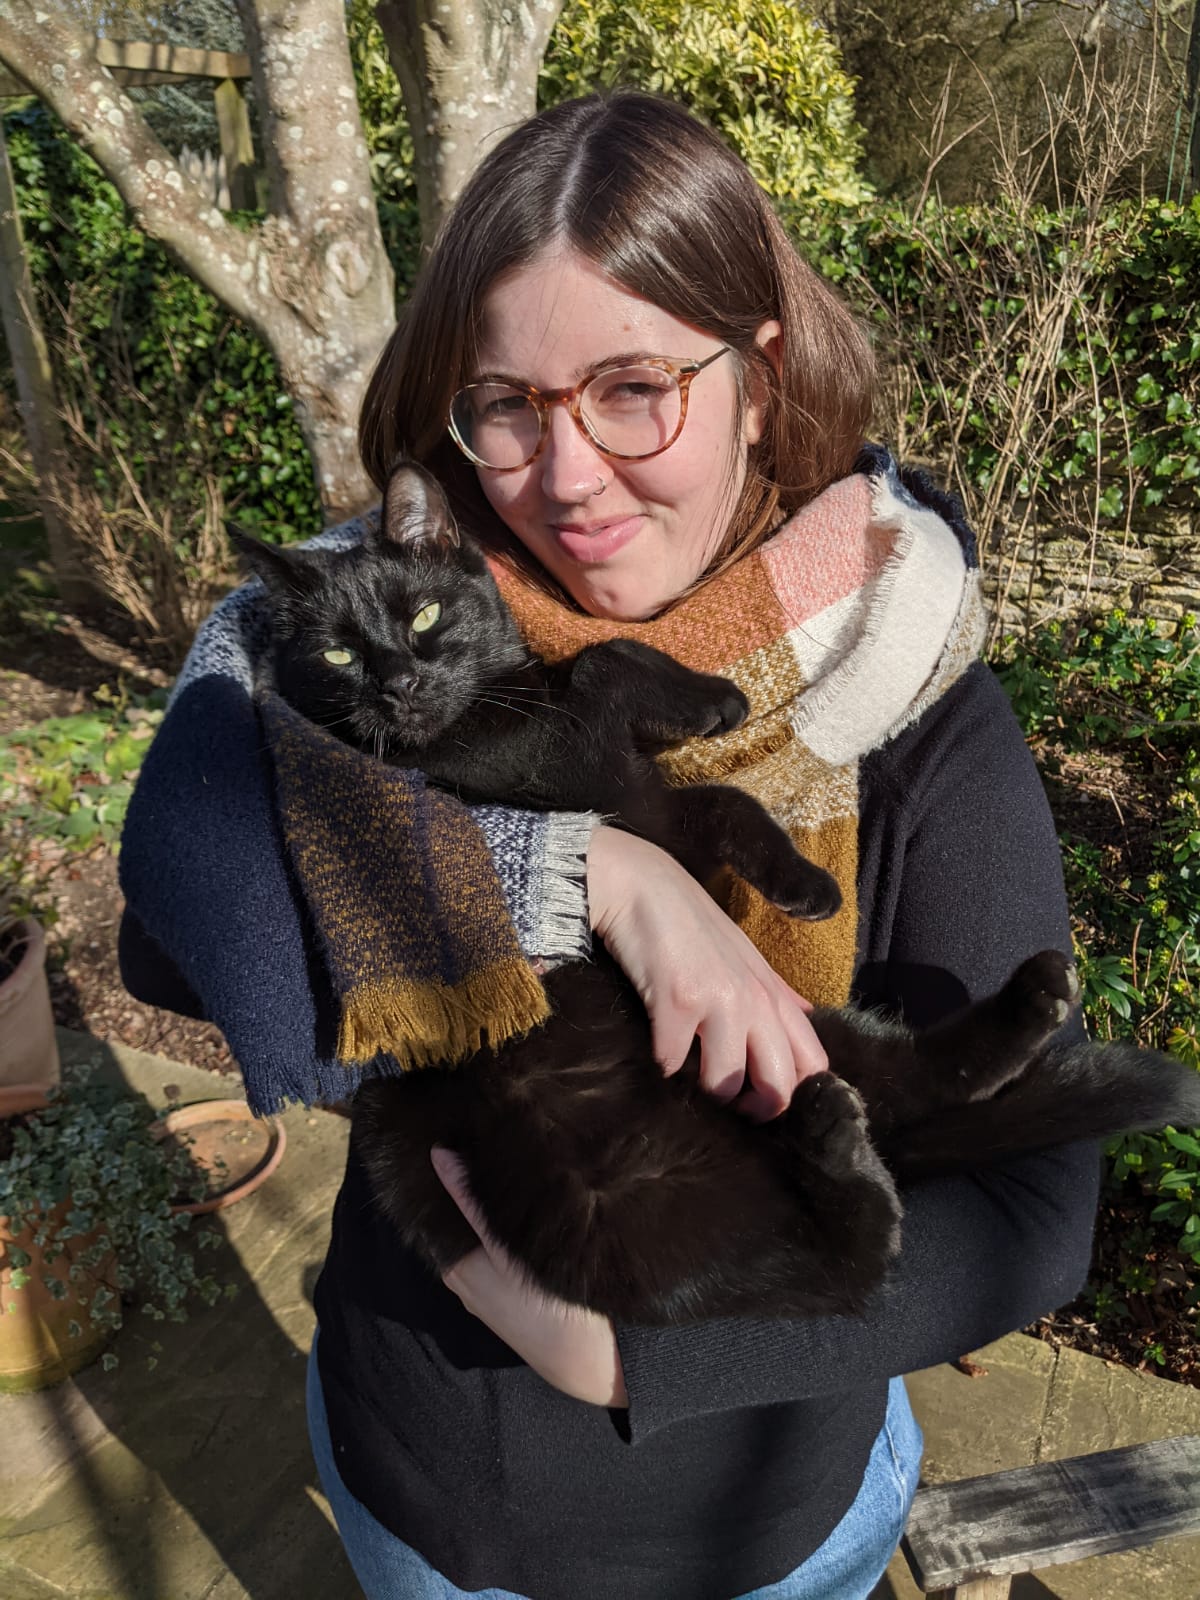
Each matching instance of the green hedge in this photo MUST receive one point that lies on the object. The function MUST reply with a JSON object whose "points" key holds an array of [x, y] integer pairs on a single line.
{"points": [[939, 285], [187, 382]]}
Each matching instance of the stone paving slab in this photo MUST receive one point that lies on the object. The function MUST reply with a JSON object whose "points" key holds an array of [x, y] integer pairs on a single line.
{"points": [[194, 1481], [191, 1481]]}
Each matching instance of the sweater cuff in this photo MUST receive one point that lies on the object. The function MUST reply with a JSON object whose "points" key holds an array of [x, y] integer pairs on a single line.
{"points": [[661, 1382], [541, 861]]}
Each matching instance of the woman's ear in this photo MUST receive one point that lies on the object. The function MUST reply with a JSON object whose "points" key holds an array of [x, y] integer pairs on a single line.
{"points": [[769, 339]]}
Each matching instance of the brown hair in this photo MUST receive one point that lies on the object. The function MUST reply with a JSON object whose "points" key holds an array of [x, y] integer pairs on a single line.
{"points": [[648, 194]]}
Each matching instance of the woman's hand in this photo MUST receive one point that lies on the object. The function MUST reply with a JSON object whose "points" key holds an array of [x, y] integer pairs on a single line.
{"points": [[572, 1349], [699, 977]]}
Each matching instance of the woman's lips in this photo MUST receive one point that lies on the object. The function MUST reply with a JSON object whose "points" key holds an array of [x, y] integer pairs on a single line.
{"points": [[592, 545]]}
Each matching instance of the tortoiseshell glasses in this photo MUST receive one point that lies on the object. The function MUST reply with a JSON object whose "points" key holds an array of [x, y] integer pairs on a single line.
{"points": [[629, 411]]}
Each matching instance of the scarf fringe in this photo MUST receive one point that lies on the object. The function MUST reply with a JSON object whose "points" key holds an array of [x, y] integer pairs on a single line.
{"points": [[564, 870], [437, 1024]]}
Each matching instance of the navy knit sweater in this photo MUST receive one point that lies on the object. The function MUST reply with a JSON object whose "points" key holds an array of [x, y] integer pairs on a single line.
{"points": [[744, 1442]]}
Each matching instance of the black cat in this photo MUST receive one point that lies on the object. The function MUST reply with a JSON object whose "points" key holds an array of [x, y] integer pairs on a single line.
{"points": [[619, 1189]]}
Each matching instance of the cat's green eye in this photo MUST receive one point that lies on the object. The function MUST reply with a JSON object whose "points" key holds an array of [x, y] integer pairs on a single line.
{"points": [[338, 657], [426, 617]]}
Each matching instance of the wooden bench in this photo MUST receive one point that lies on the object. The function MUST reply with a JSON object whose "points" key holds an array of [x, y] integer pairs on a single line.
{"points": [[967, 1540]]}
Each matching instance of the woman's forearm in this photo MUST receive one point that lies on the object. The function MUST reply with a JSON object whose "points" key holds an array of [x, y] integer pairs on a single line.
{"points": [[699, 977]]}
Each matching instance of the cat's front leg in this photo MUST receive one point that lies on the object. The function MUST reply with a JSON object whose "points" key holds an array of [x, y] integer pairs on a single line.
{"points": [[660, 702], [721, 824]]}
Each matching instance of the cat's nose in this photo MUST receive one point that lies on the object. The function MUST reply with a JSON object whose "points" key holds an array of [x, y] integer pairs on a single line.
{"points": [[400, 690]]}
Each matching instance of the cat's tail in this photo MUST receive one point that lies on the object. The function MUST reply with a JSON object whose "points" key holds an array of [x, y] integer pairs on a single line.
{"points": [[1067, 1094]]}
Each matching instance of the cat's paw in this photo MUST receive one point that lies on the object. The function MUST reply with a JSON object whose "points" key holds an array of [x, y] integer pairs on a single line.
{"points": [[805, 891], [834, 1117], [1044, 990], [725, 709], [837, 1149]]}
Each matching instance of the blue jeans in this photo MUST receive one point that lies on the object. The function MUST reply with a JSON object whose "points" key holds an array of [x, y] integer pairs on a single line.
{"points": [[846, 1567]]}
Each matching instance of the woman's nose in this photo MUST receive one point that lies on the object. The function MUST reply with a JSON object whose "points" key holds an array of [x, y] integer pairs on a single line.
{"points": [[571, 466]]}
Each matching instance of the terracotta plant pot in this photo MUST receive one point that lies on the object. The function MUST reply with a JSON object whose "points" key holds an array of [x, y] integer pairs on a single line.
{"points": [[28, 1048], [224, 1139], [37, 1347]]}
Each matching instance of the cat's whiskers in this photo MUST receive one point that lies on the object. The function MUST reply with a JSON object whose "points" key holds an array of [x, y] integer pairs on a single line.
{"points": [[504, 705], [527, 689], [537, 696]]}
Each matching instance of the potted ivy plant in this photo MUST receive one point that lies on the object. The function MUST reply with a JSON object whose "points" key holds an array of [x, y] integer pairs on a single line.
{"points": [[90, 1226]]}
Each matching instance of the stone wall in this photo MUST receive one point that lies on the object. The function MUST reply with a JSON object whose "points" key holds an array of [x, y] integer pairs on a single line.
{"points": [[1152, 572]]}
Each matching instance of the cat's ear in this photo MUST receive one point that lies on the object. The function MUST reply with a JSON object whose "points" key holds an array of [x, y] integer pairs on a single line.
{"points": [[415, 510], [282, 570]]}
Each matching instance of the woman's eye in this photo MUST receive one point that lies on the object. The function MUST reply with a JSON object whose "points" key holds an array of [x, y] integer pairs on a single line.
{"points": [[426, 617], [338, 657], [505, 406]]}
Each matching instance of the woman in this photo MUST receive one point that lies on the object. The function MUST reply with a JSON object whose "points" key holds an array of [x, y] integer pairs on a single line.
{"points": [[634, 390]]}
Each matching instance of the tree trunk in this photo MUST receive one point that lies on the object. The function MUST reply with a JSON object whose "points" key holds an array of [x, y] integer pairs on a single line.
{"points": [[36, 398], [469, 71], [1191, 104], [313, 279]]}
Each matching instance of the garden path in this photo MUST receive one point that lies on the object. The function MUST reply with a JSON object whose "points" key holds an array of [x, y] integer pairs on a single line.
{"points": [[194, 1480]]}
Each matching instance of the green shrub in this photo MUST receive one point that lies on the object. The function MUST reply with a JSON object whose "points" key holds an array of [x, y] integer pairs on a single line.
{"points": [[1112, 711], [760, 72]]}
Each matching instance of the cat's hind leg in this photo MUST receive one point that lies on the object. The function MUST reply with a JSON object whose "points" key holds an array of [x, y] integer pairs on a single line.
{"points": [[846, 1190], [976, 1052]]}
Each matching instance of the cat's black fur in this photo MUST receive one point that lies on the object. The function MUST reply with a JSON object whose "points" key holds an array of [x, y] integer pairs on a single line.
{"points": [[631, 1193]]}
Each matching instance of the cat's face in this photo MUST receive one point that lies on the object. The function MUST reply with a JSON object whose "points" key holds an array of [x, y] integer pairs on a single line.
{"points": [[387, 644]]}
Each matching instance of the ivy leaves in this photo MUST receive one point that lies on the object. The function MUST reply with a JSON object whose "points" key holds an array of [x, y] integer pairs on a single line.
{"points": [[956, 288]]}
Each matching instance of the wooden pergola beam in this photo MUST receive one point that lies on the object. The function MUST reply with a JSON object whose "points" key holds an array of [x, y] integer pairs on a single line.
{"points": [[175, 60], [141, 62]]}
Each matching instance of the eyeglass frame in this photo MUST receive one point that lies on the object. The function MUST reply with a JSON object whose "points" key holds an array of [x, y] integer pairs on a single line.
{"points": [[543, 399]]}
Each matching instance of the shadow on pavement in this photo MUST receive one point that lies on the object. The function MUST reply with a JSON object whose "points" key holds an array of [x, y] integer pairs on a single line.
{"points": [[190, 1460]]}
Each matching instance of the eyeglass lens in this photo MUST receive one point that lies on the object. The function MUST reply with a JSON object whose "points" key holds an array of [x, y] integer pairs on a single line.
{"points": [[631, 411]]}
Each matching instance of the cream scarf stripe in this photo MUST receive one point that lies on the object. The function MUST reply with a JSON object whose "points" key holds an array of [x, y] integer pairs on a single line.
{"points": [[897, 626]]}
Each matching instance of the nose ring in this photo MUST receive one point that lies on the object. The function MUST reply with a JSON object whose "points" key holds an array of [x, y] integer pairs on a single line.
{"points": [[600, 486]]}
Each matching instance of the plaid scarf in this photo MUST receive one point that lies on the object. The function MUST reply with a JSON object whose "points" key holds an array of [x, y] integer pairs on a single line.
{"points": [[841, 629], [420, 948]]}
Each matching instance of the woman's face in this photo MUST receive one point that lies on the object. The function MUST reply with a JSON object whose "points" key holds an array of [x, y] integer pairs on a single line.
{"points": [[624, 550]]}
